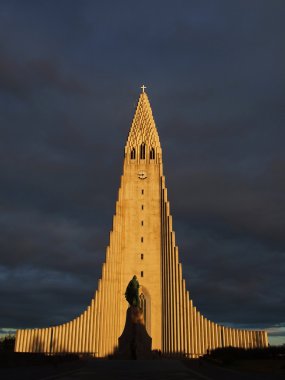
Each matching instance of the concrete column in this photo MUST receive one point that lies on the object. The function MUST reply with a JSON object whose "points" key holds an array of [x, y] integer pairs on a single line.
{"points": [[83, 331], [224, 336], [97, 323], [189, 333], [56, 339], [43, 339], [240, 339], [247, 340], [185, 317], [64, 338], [236, 337], [106, 303], [255, 334], [38, 340], [59, 338], [110, 304], [203, 334], [17, 340], [103, 311], [257, 338], [199, 335], [217, 336], [266, 338], [174, 347], [32, 341], [177, 305], [94, 317], [76, 335], [24, 341], [65, 343], [244, 339], [46, 341], [195, 332], [21, 341], [87, 330], [220, 343], [209, 335], [28, 340], [71, 336], [165, 279], [112, 275], [228, 336], [79, 336], [232, 337]]}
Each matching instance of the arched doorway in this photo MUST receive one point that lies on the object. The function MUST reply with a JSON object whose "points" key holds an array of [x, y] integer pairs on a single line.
{"points": [[145, 305]]}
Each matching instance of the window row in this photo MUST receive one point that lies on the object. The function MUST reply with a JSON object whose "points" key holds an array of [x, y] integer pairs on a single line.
{"points": [[142, 153]]}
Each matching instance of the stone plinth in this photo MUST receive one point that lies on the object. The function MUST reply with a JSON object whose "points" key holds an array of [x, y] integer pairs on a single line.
{"points": [[134, 343]]}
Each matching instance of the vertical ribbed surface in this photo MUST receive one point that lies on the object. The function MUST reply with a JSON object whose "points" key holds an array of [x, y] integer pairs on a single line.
{"points": [[174, 323]]}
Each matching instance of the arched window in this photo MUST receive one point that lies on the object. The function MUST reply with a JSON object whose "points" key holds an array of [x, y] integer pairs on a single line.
{"points": [[142, 155], [151, 154], [133, 154], [143, 305]]}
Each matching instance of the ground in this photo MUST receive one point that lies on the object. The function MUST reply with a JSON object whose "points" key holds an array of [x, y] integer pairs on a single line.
{"points": [[133, 370]]}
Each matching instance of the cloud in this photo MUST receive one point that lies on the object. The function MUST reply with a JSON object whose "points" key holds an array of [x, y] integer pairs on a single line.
{"points": [[69, 80], [22, 79]]}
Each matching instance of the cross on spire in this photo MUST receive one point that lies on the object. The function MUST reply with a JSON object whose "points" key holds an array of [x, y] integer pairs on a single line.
{"points": [[143, 87]]}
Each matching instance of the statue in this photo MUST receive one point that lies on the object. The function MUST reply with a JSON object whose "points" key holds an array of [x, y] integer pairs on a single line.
{"points": [[132, 292], [134, 343]]}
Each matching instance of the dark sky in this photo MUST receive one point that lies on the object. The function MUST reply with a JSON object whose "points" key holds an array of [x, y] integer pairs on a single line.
{"points": [[70, 76]]}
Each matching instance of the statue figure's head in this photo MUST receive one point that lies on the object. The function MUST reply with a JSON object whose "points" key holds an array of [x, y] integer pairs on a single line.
{"points": [[135, 277]]}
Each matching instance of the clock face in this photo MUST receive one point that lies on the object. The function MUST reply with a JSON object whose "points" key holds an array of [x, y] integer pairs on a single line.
{"points": [[142, 174]]}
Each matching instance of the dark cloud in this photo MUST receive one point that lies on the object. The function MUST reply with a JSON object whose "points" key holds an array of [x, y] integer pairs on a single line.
{"points": [[22, 78], [69, 79]]}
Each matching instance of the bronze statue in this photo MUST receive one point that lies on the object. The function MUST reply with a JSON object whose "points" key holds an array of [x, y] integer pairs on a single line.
{"points": [[132, 292]]}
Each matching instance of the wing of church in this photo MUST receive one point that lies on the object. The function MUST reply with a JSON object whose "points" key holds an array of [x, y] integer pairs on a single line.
{"points": [[142, 243]]}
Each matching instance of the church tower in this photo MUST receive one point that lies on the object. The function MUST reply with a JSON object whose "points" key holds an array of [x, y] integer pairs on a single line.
{"points": [[142, 243]]}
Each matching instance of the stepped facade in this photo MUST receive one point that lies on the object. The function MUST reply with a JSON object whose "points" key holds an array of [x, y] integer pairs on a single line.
{"points": [[142, 243]]}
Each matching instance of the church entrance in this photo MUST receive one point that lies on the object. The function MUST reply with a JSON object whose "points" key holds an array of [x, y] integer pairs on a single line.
{"points": [[144, 300]]}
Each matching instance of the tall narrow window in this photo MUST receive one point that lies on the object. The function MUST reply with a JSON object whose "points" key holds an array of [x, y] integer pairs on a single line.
{"points": [[142, 191], [141, 256], [143, 305], [142, 222], [142, 207], [133, 154], [142, 151], [141, 273], [151, 154], [142, 239]]}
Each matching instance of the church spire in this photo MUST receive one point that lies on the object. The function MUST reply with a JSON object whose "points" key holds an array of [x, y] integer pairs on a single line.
{"points": [[143, 131]]}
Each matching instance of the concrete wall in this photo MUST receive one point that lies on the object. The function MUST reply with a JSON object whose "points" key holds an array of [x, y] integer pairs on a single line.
{"points": [[142, 225]]}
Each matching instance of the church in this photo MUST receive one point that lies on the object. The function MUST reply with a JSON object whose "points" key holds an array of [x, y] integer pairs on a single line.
{"points": [[142, 243]]}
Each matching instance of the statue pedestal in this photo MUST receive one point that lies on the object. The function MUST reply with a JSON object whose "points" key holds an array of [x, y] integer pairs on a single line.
{"points": [[134, 343]]}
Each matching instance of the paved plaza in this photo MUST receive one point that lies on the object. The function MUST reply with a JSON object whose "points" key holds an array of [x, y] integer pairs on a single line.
{"points": [[131, 369]]}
